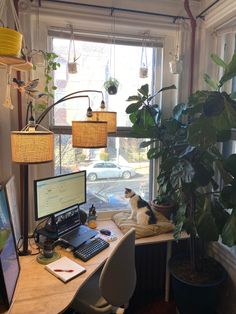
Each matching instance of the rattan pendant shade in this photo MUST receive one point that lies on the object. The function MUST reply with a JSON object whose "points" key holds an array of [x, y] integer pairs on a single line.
{"points": [[109, 117], [89, 134], [32, 147]]}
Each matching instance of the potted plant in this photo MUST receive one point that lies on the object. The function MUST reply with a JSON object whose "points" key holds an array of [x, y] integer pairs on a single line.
{"points": [[165, 205], [111, 85], [190, 163]]}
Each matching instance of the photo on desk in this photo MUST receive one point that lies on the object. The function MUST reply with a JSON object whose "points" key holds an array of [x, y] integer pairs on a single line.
{"points": [[9, 262]]}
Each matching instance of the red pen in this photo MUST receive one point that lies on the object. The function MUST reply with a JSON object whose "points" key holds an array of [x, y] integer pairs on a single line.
{"points": [[64, 270]]}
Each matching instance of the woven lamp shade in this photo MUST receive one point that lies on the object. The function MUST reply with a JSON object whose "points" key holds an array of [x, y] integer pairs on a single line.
{"points": [[32, 147], [89, 134], [108, 116]]}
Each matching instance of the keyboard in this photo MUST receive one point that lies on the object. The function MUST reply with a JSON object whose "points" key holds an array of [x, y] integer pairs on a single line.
{"points": [[90, 248]]}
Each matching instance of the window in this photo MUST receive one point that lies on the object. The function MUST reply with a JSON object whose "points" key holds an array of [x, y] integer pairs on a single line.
{"points": [[122, 164]]}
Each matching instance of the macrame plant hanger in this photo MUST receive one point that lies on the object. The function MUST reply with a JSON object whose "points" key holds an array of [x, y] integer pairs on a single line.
{"points": [[176, 64], [3, 5], [143, 70], [72, 65], [111, 85]]}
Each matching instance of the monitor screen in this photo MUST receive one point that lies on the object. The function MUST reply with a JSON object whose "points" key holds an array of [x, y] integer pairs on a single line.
{"points": [[55, 194], [9, 263]]}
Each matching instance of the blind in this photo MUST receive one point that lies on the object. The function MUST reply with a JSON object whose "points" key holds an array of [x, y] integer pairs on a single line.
{"points": [[122, 39]]}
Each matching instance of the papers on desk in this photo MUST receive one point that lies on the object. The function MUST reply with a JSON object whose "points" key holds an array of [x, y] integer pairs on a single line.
{"points": [[65, 269]]}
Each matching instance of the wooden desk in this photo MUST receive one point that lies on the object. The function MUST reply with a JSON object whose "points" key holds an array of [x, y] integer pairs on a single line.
{"points": [[40, 292]]}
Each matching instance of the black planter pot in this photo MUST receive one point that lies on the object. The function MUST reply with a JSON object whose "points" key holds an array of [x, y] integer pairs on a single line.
{"points": [[194, 298], [112, 90]]}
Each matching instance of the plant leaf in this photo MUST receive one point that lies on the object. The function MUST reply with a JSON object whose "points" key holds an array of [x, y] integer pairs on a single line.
{"points": [[218, 60], [229, 230], [230, 71], [210, 81], [133, 107]]}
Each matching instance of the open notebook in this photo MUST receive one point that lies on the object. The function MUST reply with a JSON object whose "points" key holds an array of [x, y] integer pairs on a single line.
{"points": [[65, 269]]}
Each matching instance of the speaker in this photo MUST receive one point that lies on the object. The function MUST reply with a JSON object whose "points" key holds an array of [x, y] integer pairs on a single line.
{"points": [[83, 216]]}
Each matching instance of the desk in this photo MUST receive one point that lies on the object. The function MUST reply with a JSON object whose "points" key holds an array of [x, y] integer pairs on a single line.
{"points": [[40, 292]]}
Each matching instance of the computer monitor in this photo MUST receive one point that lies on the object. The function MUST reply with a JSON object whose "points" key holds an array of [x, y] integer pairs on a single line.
{"points": [[9, 263], [55, 194]]}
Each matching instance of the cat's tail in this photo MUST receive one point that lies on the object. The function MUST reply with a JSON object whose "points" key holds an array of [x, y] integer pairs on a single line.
{"points": [[152, 217]]}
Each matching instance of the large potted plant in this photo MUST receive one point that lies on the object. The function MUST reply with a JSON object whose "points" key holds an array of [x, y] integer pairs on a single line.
{"points": [[188, 145]]}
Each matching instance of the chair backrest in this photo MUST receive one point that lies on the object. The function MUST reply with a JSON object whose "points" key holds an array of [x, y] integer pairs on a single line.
{"points": [[118, 277]]}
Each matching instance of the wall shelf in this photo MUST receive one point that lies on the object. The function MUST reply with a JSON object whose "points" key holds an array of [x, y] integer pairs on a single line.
{"points": [[18, 64]]}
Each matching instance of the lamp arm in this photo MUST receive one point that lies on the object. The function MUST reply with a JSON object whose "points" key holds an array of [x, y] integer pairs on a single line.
{"points": [[68, 97], [45, 112]]}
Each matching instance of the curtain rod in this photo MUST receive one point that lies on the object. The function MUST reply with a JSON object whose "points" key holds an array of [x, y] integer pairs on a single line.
{"points": [[112, 9], [200, 15]]}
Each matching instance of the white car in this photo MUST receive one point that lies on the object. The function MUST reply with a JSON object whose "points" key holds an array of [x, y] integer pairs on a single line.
{"points": [[106, 169]]}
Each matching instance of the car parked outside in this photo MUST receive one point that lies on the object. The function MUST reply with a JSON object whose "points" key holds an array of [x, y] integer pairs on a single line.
{"points": [[106, 170]]}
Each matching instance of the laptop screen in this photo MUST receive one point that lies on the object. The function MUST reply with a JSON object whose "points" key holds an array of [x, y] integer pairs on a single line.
{"points": [[67, 220]]}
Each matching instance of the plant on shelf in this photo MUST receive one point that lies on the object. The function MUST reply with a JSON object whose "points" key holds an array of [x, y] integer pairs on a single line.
{"points": [[187, 144], [111, 85]]}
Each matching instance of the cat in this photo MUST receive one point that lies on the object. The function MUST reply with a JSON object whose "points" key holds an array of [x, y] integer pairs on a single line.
{"points": [[140, 209]]}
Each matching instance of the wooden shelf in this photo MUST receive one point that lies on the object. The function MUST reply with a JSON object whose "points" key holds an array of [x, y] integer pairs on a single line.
{"points": [[16, 63]]}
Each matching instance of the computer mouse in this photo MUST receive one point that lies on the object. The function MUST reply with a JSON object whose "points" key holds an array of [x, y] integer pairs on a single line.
{"points": [[105, 232]]}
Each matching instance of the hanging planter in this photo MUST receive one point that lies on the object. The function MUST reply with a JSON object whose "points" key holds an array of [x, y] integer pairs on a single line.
{"points": [[176, 64], [111, 86], [72, 65], [10, 40], [143, 70]]}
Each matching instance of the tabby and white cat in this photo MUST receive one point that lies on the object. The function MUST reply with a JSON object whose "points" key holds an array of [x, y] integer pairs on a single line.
{"points": [[140, 209]]}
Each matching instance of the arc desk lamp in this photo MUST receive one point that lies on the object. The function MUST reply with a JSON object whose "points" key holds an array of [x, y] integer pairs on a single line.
{"points": [[34, 146]]}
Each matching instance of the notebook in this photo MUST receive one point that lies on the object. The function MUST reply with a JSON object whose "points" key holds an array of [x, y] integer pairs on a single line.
{"points": [[65, 269]]}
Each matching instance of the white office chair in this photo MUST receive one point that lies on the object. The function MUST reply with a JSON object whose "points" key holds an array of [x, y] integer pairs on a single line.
{"points": [[112, 286]]}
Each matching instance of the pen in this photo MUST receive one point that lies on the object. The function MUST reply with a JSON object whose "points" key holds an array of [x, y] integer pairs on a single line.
{"points": [[64, 270]]}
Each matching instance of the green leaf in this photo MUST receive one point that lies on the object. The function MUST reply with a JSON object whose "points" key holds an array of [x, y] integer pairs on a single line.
{"points": [[223, 135], [210, 81], [229, 230], [230, 164], [203, 174], [167, 88], [218, 61], [230, 71], [153, 153], [134, 98], [202, 133], [145, 144], [144, 89], [133, 107], [206, 227], [228, 196], [233, 95], [214, 105]]}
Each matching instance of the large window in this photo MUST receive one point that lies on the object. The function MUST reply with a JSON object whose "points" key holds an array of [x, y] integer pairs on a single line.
{"points": [[122, 164]]}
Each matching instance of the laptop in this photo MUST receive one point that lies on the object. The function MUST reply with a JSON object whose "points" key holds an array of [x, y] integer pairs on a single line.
{"points": [[70, 229]]}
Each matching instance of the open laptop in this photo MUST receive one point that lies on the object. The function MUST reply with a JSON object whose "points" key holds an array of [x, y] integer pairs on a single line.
{"points": [[70, 229]]}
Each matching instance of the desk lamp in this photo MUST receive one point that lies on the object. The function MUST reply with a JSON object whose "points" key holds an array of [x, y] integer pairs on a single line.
{"points": [[33, 146]]}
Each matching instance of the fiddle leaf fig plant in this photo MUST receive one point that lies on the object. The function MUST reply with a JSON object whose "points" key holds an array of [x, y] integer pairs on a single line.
{"points": [[187, 144]]}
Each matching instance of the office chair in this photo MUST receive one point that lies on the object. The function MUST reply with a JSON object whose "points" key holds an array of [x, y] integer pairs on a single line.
{"points": [[112, 286]]}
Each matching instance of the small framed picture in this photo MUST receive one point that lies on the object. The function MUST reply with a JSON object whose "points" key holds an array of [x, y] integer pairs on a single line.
{"points": [[9, 262], [10, 188]]}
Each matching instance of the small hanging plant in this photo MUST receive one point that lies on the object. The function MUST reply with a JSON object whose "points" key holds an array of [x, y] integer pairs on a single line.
{"points": [[111, 85]]}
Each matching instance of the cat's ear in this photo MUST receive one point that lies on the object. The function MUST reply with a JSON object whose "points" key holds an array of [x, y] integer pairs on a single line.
{"points": [[127, 190]]}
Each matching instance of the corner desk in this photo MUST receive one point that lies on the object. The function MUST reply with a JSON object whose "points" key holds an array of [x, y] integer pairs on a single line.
{"points": [[40, 292]]}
